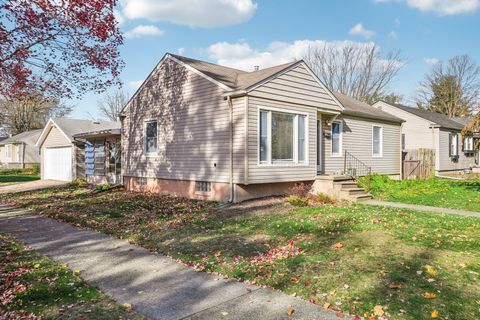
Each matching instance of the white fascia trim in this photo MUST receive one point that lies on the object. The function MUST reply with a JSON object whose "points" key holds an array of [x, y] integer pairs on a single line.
{"points": [[43, 135]]}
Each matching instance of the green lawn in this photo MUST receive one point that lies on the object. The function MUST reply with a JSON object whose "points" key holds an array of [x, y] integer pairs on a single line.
{"points": [[32, 285], [16, 178], [367, 261], [454, 194]]}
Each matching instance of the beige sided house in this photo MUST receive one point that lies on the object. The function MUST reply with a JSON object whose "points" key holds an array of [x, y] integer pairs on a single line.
{"points": [[201, 130], [430, 130], [62, 156], [20, 151]]}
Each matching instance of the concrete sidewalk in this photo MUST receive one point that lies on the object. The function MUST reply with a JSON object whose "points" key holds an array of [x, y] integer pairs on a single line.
{"points": [[157, 287], [30, 186], [421, 208]]}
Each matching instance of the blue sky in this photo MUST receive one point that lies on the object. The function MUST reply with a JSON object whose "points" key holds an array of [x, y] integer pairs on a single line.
{"points": [[244, 33]]}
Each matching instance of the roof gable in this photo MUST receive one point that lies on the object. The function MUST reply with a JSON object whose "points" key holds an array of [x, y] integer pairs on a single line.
{"points": [[434, 118], [28, 137]]}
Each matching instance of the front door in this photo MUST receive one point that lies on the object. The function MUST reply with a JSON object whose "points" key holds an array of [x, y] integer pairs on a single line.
{"points": [[319, 145]]}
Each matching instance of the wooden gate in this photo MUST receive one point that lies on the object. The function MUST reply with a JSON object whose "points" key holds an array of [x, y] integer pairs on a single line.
{"points": [[418, 163]]}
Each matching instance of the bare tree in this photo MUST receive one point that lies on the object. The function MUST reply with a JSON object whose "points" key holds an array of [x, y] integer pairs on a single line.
{"points": [[29, 112], [451, 88], [355, 69], [112, 104]]}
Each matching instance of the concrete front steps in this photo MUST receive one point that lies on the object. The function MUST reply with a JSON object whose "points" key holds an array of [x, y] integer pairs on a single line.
{"points": [[340, 187]]}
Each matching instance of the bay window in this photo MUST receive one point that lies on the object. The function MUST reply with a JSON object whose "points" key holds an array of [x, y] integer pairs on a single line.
{"points": [[282, 137]]}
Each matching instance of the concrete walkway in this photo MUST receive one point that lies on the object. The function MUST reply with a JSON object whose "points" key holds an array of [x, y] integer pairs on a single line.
{"points": [[30, 186], [157, 287], [421, 208]]}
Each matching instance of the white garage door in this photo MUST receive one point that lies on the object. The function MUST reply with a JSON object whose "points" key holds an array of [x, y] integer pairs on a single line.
{"points": [[58, 164]]}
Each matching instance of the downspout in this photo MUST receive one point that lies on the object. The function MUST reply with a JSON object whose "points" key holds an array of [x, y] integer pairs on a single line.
{"points": [[232, 186]]}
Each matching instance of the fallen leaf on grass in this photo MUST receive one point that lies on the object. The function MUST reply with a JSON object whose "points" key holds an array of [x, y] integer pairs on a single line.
{"points": [[431, 270], [224, 313], [434, 314], [127, 306], [326, 305], [218, 253], [290, 311], [337, 245], [429, 295], [378, 311], [394, 286], [76, 271]]}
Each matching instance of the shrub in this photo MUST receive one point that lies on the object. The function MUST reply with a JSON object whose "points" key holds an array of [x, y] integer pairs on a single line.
{"points": [[324, 198], [300, 190], [78, 183], [378, 182], [297, 201], [32, 170], [103, 187]]}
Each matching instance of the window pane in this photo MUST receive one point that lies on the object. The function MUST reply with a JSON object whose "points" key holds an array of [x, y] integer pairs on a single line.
{"points": [[282, 136], [336, 138], [151, 137], [377, 140], [263, 136], [301, 138]]}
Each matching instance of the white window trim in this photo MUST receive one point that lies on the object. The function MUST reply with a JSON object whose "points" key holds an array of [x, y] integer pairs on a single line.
{"points": [[380, 155], [340, 149], [454, 152], [470, 139], [8, 151], [149, 154], [269, 162]]}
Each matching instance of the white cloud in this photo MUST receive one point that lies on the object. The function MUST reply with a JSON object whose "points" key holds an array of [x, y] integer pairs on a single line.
{"points": [[143, 30], [134, 85], [181, 51], [431, 61], [441, 7], [193, 13], [119, 17], [241, 55], [359, 30], [393, 35]]}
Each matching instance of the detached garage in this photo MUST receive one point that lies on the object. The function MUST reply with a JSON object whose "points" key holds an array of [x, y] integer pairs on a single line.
{"points": [[63, 157]]}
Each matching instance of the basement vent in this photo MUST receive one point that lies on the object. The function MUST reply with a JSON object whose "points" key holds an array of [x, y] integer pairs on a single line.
{"points": [[203, 186]]}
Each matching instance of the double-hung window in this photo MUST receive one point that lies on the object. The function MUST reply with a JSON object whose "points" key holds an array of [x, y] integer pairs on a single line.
{"points": [[282, 137], [468, 144], [377, 141], [8, 151], [453, 145], [151, 146], [337, 137]]}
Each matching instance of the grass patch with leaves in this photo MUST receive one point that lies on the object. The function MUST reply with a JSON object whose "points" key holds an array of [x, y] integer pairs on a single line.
{"points": [[437, 192], [18, 177], [33, 287], [362, 260]]}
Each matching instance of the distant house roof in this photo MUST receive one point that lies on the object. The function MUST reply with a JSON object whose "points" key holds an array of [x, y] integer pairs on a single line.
{"points": [[434, 117], [72, 127], [233, 78], [357, 108], [28, 137]]}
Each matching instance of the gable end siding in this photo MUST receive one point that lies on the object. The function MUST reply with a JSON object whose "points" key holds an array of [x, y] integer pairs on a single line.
{"points": [[193, 128]]}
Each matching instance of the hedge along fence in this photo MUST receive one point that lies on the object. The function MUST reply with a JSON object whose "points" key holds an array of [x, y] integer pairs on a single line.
{"points": [[32, 170]]}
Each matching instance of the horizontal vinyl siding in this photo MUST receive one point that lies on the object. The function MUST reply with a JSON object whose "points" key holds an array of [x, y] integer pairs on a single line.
{"points": [[296, 86], [55, 138], [193, 128], [417, 130], [357, 140], [445, 163], [279, 173]]}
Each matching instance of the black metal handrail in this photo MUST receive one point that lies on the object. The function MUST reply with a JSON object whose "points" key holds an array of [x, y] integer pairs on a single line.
{"points": [[355, 168]]}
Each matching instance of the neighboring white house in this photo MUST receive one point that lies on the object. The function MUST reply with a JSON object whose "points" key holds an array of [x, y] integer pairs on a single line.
{"points": [[63, 157], [19, 151], [430, 130]]}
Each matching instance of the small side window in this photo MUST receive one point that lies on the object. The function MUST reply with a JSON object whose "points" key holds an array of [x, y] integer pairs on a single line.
{"points": [[151, 140], [453, 145], [141, 181]]}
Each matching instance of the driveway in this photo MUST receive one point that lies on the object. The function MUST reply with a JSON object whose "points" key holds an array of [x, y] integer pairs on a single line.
{"points": [[30, 186]]}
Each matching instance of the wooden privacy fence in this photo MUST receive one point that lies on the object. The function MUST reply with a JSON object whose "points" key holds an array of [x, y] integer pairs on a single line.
{"points": [[418, 163]]}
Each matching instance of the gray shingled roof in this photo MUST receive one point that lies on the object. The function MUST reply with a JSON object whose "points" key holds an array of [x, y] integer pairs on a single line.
{"points": [[72, 127], [28, 137], [233, 78], [361, 109], [436, 118]]}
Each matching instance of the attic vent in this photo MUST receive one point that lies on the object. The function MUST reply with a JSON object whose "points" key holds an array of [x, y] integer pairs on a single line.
{"points": [[256, 68]]}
